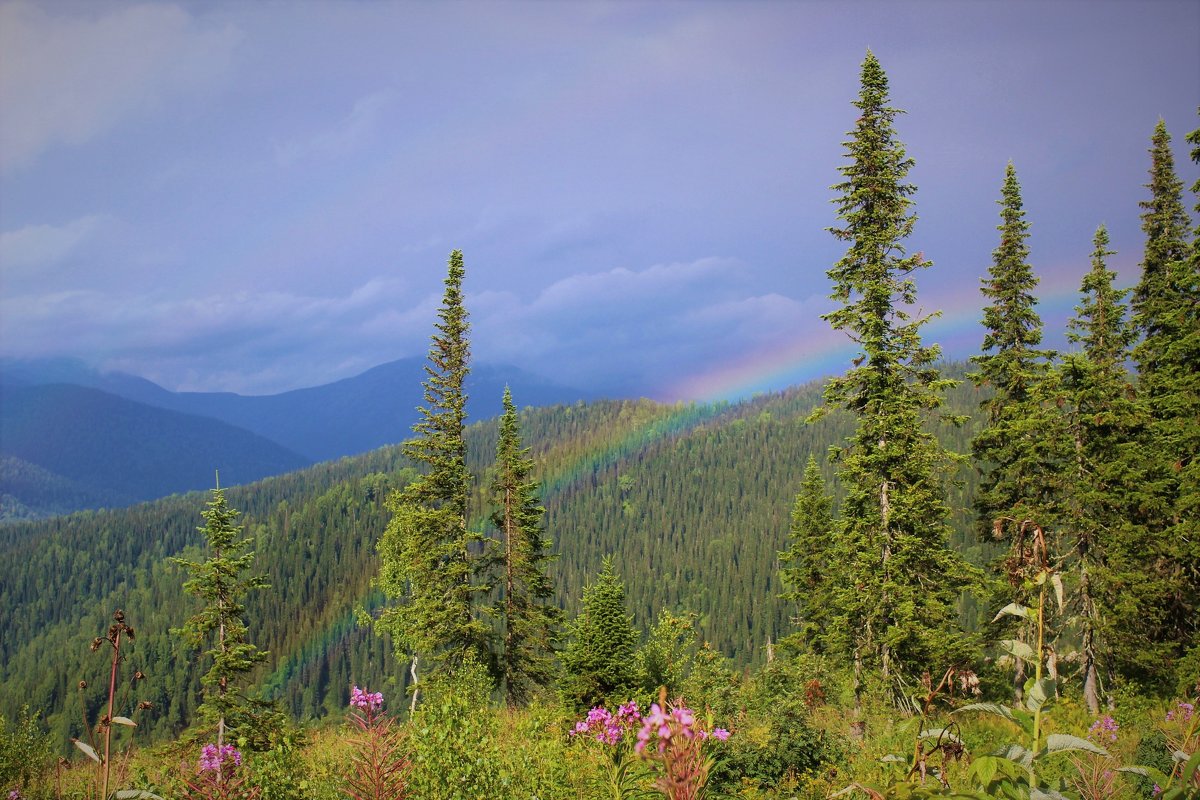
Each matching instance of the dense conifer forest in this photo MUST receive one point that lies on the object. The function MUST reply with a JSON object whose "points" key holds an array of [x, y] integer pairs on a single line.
{"points": [[916, 579]]}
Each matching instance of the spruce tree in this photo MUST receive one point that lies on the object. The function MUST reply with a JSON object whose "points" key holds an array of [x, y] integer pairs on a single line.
{"points": [[1100, 421], [897, 582], [599, 660], [804, 566], [222, 583], [428, 564], [1011, 365], [524, 607], [1166, 302]]}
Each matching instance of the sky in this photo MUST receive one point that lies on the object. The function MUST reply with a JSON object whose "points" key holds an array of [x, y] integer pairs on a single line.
{"points": [[257, 197]]}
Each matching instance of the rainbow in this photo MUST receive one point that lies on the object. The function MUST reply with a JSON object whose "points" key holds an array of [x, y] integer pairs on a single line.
{"points": [[788, 362], [820, 352]]}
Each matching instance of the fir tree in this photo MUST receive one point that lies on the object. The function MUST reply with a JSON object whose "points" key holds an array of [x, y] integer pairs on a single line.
{"points": [[804, 566], [428, 566], [897, 582], [1100, 420], [222, 583], [1007, 448], [599, 658], [525, 607]]}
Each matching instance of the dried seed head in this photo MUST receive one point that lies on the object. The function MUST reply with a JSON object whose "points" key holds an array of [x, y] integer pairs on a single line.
{"points": [[129, 632], [119, 615], [99, 640], [145, 705], [139, 675], [82, 685]]}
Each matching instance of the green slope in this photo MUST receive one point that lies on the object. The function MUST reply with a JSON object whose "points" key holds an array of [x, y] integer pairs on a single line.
{"points": [[692, 501]]}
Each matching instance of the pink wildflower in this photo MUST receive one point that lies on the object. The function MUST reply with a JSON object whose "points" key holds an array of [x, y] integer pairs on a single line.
{"points": [[213, 759], [367, 701]]}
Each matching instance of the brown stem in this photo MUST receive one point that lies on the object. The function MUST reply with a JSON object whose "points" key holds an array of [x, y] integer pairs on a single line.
{"points": [[107, 722]]}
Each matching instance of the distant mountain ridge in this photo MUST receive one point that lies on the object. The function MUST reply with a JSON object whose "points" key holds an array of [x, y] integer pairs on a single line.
{"points": [[262, 435]]}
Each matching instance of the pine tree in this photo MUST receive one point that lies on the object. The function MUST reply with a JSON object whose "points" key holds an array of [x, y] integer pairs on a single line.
{"points": [[428, 566], [525, 607], [222, 583], [599, 658], [1100, 421], [893, 606], [804, 566], [1007, 449]]}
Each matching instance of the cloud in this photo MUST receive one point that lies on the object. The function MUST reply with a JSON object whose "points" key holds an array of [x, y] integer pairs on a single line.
{"points": [[343, 138], [40, 245], [70, 77]]}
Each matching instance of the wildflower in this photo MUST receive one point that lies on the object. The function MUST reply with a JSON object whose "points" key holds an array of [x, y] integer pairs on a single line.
{"points": [[213, 758], [15, 794], [720, 734], [1104, 728], [367, 701], [1185, 712]]}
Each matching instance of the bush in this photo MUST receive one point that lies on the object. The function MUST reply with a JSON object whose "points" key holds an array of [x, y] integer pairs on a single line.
{"points": [[24, 751]]}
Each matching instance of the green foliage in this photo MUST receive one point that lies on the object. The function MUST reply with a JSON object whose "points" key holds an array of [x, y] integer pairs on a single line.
{"points": [[429, 569], [453, 738], [893, 525], [668, 654], [24, 750], [804, 566], [598, 663], [524, 608], [1008, 450], [222, 584]]}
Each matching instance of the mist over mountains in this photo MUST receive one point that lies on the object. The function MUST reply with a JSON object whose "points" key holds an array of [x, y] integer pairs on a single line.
{"points": [[72, 437]]}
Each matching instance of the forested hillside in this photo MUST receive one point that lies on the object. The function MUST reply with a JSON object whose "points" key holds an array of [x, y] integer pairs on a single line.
{"points": [[691, 500]]}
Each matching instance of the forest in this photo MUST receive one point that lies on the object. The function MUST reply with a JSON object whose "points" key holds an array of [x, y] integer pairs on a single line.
{"points": [[917, 579]]}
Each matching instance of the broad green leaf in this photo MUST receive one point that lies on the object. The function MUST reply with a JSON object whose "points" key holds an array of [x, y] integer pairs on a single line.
{"points": [[1014, 610], [1045, 794], [1179, 755], [939, 733], [1016, 754], [1038, 693], [135, 794], [1193, 764], [1056, 579], [892, 758], [989, 708], [87, 750], [1147, 772], [1062, 742], [124, 721], [1018, 649]]}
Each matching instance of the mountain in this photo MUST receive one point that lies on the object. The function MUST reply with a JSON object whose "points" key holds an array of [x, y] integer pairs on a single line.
{"points": [[692, 501], [248, 436], [101, 449], [350, 416]]}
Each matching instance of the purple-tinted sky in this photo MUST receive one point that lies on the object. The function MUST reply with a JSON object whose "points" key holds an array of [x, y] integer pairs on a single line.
{"points": [[260, 196]]}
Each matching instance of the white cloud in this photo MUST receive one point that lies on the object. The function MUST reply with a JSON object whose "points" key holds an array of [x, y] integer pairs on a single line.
{"points": [[40, 245], [66, 78], [343, 138]]}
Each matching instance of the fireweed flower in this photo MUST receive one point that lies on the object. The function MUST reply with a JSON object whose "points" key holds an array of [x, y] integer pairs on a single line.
{"points": [[366, 701], [1104, 728], [1182, 712], [606, 727], [212, 758]]}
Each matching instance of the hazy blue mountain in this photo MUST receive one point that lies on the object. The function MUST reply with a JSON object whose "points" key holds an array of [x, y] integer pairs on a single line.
{"points": [[79, 438], [92, 448]]}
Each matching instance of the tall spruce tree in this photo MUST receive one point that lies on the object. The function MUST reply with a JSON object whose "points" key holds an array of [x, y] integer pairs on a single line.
{"points": [[897, 582], [804, 566], [525, 609], [1100, 420], [1007, 449], [598, 661], [428, 551], [222, 583], [1166, 303]]}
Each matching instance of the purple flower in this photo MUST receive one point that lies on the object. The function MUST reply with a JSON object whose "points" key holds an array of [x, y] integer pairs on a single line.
{"points": [[367, 701], [1104, 728], [212, 758], [720, 734], [15, 794]]}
